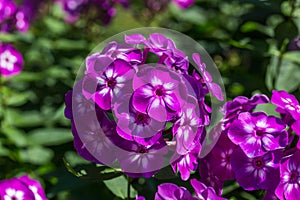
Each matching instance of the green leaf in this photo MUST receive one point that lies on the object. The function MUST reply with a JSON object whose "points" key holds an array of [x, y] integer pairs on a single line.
{"points": [[66, 44], [293, 56], [118, 186], [50, 136], [285, 30], [267, 108], [36, 155], [288, 77], [24, 118], [15, 135]]}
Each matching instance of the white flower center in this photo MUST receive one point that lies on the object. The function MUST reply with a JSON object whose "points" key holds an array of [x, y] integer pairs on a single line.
{"points": [[7, 60], [12, 194]]}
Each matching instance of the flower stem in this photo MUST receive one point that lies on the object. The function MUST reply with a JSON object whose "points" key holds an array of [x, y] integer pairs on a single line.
{"points": [[128, 187]]}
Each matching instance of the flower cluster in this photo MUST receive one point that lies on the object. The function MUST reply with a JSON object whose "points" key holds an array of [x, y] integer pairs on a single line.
{"points": [[14, 17], [21, 188], [257, 150], [95, 9], [11, 60], [141, 116]]}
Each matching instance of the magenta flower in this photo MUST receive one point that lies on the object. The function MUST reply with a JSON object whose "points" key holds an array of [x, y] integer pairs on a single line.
{"points": [[184, 4], [206, 78], [289, 107], [22, 188], [289, 185], [257, 133], [241, 104], [136, 126], [219, 158], [204, 192], [186, 163], [138, 160], [103, 87], [261, 172], [7, 10], [11, 61], [188, 128], [172, 191], [208, 177], [158, 92]]}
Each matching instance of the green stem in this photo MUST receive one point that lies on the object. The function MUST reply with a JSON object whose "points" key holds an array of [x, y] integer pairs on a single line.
{"points": [[128, 187]]}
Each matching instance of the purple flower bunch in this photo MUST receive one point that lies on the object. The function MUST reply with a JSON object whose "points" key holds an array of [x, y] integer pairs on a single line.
{"points": [[257, 150], [21, 188], [14, 17], [95, 9], [138, 116]]}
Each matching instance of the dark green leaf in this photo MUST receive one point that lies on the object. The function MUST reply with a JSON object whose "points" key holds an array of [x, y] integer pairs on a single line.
{"points": [[50, 136]]}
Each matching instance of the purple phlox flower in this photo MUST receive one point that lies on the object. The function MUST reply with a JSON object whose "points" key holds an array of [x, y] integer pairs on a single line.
{"points": [[72, 8], [26, 14], [183, 4], [270, 195], [22, 188], [134, 125], [241, 104], [188, 128], [256, 133], [158, 92], [261, 172], [34, 186], [203, 192], [11, 61], [93, 137], [138, 160], [140, 198], [186, 163], [131, 54], [102, 88], [219, 158], [294, 45], [177, 60], [208, 177], [289, 108], [289, 185], [172, 191], [76, 104], [214, 88], [7, 10]]}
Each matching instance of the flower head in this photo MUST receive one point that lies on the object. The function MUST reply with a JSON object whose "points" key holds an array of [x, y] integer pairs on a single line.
{"points": [[261, 172], [11, 61], [257, 133], [22, 188], [289, 185]]}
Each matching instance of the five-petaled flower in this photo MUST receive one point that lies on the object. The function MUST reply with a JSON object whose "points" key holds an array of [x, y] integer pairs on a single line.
{"points": [[11, 61], [256, 133]]}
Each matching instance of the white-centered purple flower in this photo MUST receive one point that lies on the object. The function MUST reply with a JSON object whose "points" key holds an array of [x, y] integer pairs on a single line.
{"points": [[21, 188], [289, 108], [102, 87], [138, 160], [188, 128], [158, 92], [219, 158], [261, 172], [187, 163], [257, 133], [133, 125], [289, 185], [241, 104], [11, 60]]}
